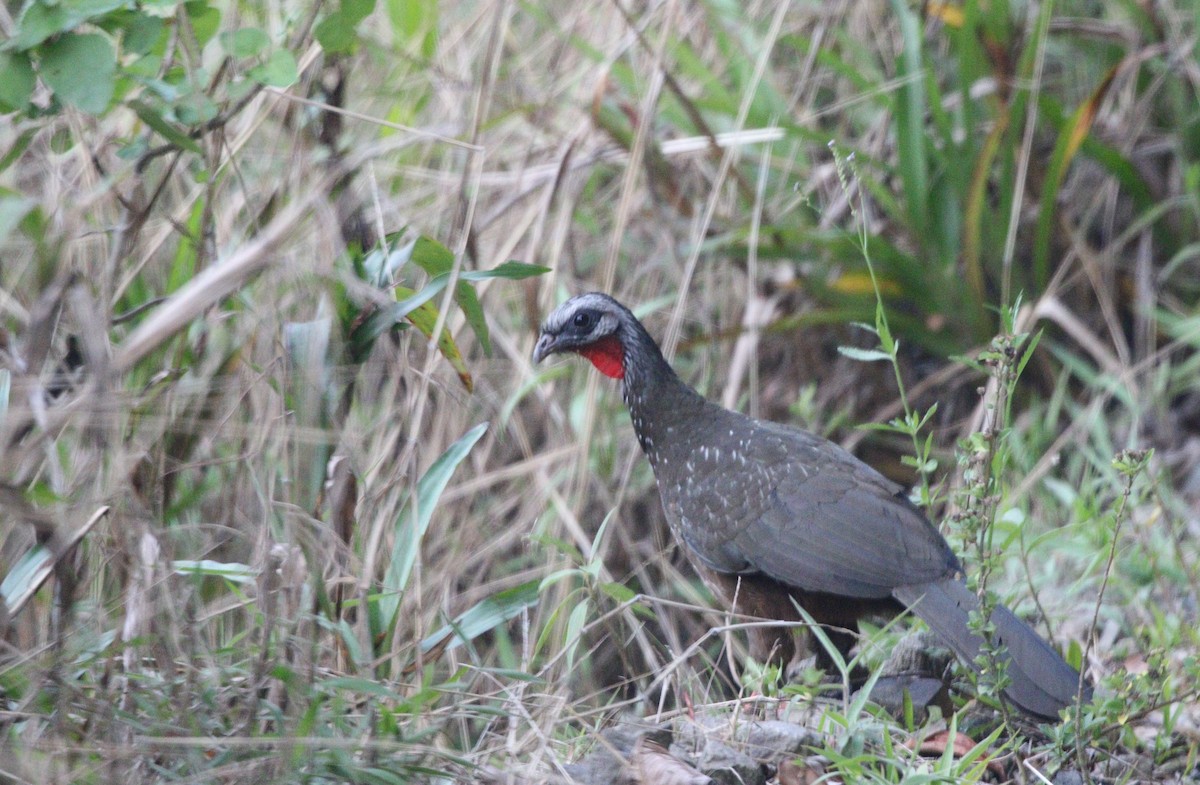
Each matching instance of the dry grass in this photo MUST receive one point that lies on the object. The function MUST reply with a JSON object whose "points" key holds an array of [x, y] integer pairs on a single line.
{"points": [[206, 424]]}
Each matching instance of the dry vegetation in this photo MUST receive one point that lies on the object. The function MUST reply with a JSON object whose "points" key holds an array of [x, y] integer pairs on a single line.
{"points": [[250, 529]]}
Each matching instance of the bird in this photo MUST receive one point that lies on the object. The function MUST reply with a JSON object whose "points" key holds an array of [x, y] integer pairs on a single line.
{"points": [[772, 516]]}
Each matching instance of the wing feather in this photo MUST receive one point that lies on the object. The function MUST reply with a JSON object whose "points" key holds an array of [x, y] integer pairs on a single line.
{"points": [[817, 519]]}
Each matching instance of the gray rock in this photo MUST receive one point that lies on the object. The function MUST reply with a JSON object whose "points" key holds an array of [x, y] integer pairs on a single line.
{"points": [[771, 741], [1068, 777], [607, 764], [726, 765]]}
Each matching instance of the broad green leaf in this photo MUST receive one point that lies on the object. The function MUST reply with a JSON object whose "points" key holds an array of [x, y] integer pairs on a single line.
{"points": [[414, 520], [435, 259], [40, 20], [244, 42], [80, 69], [424, 318], [37, 23], [194, 107], [280, 70], [140, 33], [338, 31], [485, 615], [415, 25], [205, 20], [16, 81]]}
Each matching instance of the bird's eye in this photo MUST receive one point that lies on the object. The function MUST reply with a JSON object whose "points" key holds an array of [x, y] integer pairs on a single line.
{"points": [[583, 319]]}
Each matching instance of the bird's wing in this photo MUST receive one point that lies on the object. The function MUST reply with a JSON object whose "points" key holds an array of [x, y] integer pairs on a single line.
{"points": [[817, 518]]}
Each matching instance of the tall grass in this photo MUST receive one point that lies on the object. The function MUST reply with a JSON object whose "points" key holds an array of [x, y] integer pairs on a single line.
{"points": [[255, 312]]}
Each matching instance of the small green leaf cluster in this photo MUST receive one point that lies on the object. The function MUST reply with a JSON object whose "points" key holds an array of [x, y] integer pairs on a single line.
{"points": [[146, 56]]}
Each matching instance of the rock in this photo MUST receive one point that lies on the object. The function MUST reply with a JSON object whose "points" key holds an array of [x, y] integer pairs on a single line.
{"points": [[772, 741], [726, 765], [925, 691], [652, 764], [608, 763], [1068, 777]]}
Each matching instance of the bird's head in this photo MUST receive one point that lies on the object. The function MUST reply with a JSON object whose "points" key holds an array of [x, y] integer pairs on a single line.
{"points": [[593, 325]]}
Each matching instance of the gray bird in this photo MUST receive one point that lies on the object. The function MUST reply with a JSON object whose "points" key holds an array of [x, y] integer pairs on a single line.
{"points": [[769, 514]]}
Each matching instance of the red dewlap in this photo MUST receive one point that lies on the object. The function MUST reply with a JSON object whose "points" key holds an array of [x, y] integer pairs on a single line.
{"points": [[607, 355]]}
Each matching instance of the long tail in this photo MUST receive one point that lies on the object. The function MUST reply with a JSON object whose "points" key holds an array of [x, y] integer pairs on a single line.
{"points": [[1042, 682]]}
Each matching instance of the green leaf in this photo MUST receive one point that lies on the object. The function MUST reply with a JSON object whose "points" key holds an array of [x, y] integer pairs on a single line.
{"points": [[1074, 655], [1027, 355], [194, 107], [37, 23], [338, 32], [280, 70], [245, 42], [415, 25], [435, 259], [41, 20], [358, 685], [432, 257], [514, 271], [385, 318], [80, 69], [16, 81], [910, 119], [575, 624], [141, 33], [16, 150], [618, 591], [26, 575], [205, 20], [150, 116], [425, 319], [414, 520], [863, 355], [13, 209], [485, 615], [230, 571]]}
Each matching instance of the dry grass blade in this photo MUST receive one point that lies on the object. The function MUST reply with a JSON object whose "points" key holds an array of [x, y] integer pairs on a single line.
{"points": [[217, 282]]}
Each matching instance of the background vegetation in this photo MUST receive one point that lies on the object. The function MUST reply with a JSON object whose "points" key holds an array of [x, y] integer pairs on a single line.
{"points": [[257, 524]]}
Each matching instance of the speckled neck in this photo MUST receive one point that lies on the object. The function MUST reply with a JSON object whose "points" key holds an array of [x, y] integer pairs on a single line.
{"points": [[664, 409]]}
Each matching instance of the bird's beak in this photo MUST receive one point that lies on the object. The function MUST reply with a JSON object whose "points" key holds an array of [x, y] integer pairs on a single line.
{"points": [[544, 348]]}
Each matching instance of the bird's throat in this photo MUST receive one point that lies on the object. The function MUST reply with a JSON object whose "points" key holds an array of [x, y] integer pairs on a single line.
{"points": [[607, 355]]}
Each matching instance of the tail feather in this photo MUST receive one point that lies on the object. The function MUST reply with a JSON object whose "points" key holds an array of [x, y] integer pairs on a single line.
{"points": [[1042, 682]]}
